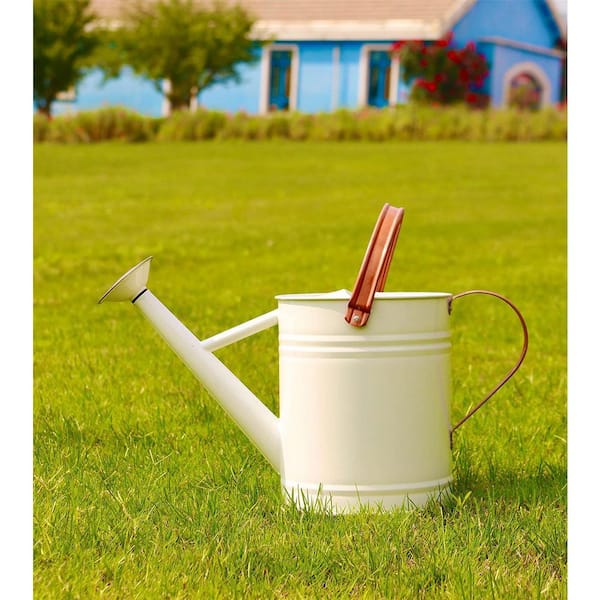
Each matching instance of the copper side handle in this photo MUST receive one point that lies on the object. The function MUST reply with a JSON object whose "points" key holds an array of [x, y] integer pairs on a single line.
{"points": [[375, 266], [515, 367]]}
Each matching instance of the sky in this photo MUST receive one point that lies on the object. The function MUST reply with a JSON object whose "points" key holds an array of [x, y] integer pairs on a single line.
{"points": [[561, 5]]}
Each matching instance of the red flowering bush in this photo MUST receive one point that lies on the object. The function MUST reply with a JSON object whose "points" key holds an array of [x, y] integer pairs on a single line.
{"points": [[443, 74]]}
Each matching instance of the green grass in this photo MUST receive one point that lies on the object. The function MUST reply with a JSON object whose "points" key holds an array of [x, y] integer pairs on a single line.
{"points": [[144, 489]]}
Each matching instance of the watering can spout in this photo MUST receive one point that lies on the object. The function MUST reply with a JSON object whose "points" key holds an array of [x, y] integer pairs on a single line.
{"points": [[254, 418]]}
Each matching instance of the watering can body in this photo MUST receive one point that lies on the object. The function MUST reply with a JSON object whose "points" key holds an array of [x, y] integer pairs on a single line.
{"points": [[364, 411]]}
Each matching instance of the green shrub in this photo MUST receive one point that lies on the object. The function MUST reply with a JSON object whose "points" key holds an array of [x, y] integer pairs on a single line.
{"points": [[335, 126], [278, 125], [208, 124], [506, 125], [41, 127], [192, 126], [375, 125], [472, 124], [65, 130], [405, 123], [451, 123], [244, 126], [266, 127], [232, 127], [300, 126], [113, 123], [549, 124], [176, 128]]}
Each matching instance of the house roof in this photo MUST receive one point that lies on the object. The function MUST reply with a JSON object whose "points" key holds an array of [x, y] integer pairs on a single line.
{"points": [[334, 10], [339, 19]]}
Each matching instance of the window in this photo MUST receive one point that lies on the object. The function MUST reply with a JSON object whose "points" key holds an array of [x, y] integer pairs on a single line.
{"points": [[526, 85], [379, 79], [525, 92], [379, 76], [279, 74]]}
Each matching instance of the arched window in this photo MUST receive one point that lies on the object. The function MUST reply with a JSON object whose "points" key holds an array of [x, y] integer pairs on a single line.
{"points": [[526, 85], [525, 92]]}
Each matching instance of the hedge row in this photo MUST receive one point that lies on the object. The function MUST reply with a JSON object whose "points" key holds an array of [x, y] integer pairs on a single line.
{"points": [[408, 122]]}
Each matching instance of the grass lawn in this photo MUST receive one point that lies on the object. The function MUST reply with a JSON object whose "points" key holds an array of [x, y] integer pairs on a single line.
{"points": [[145, 489]]}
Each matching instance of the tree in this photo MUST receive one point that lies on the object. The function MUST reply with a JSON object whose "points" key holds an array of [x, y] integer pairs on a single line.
{"points": [[189, 45], [62, 44], [443, 74]]}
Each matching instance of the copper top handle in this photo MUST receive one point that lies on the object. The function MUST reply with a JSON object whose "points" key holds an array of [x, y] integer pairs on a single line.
{"points": [[375, 266]]}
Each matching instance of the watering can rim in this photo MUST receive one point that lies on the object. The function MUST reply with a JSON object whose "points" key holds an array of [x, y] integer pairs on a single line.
{"points": [[346, 294]]}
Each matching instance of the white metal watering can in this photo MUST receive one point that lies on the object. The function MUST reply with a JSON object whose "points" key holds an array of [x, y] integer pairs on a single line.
{"points": [[364, 384]]}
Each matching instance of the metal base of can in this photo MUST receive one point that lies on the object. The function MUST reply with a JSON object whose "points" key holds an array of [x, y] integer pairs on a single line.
{"points": [[346, 499]]}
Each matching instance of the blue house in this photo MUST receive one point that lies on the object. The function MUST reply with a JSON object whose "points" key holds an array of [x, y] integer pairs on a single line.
{"points": [[331, 54]]}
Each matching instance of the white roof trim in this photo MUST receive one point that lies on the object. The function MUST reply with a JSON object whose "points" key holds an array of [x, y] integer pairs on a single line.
{"points": [[455, 13], [390, 29], [523, 46], [560, 21]]}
